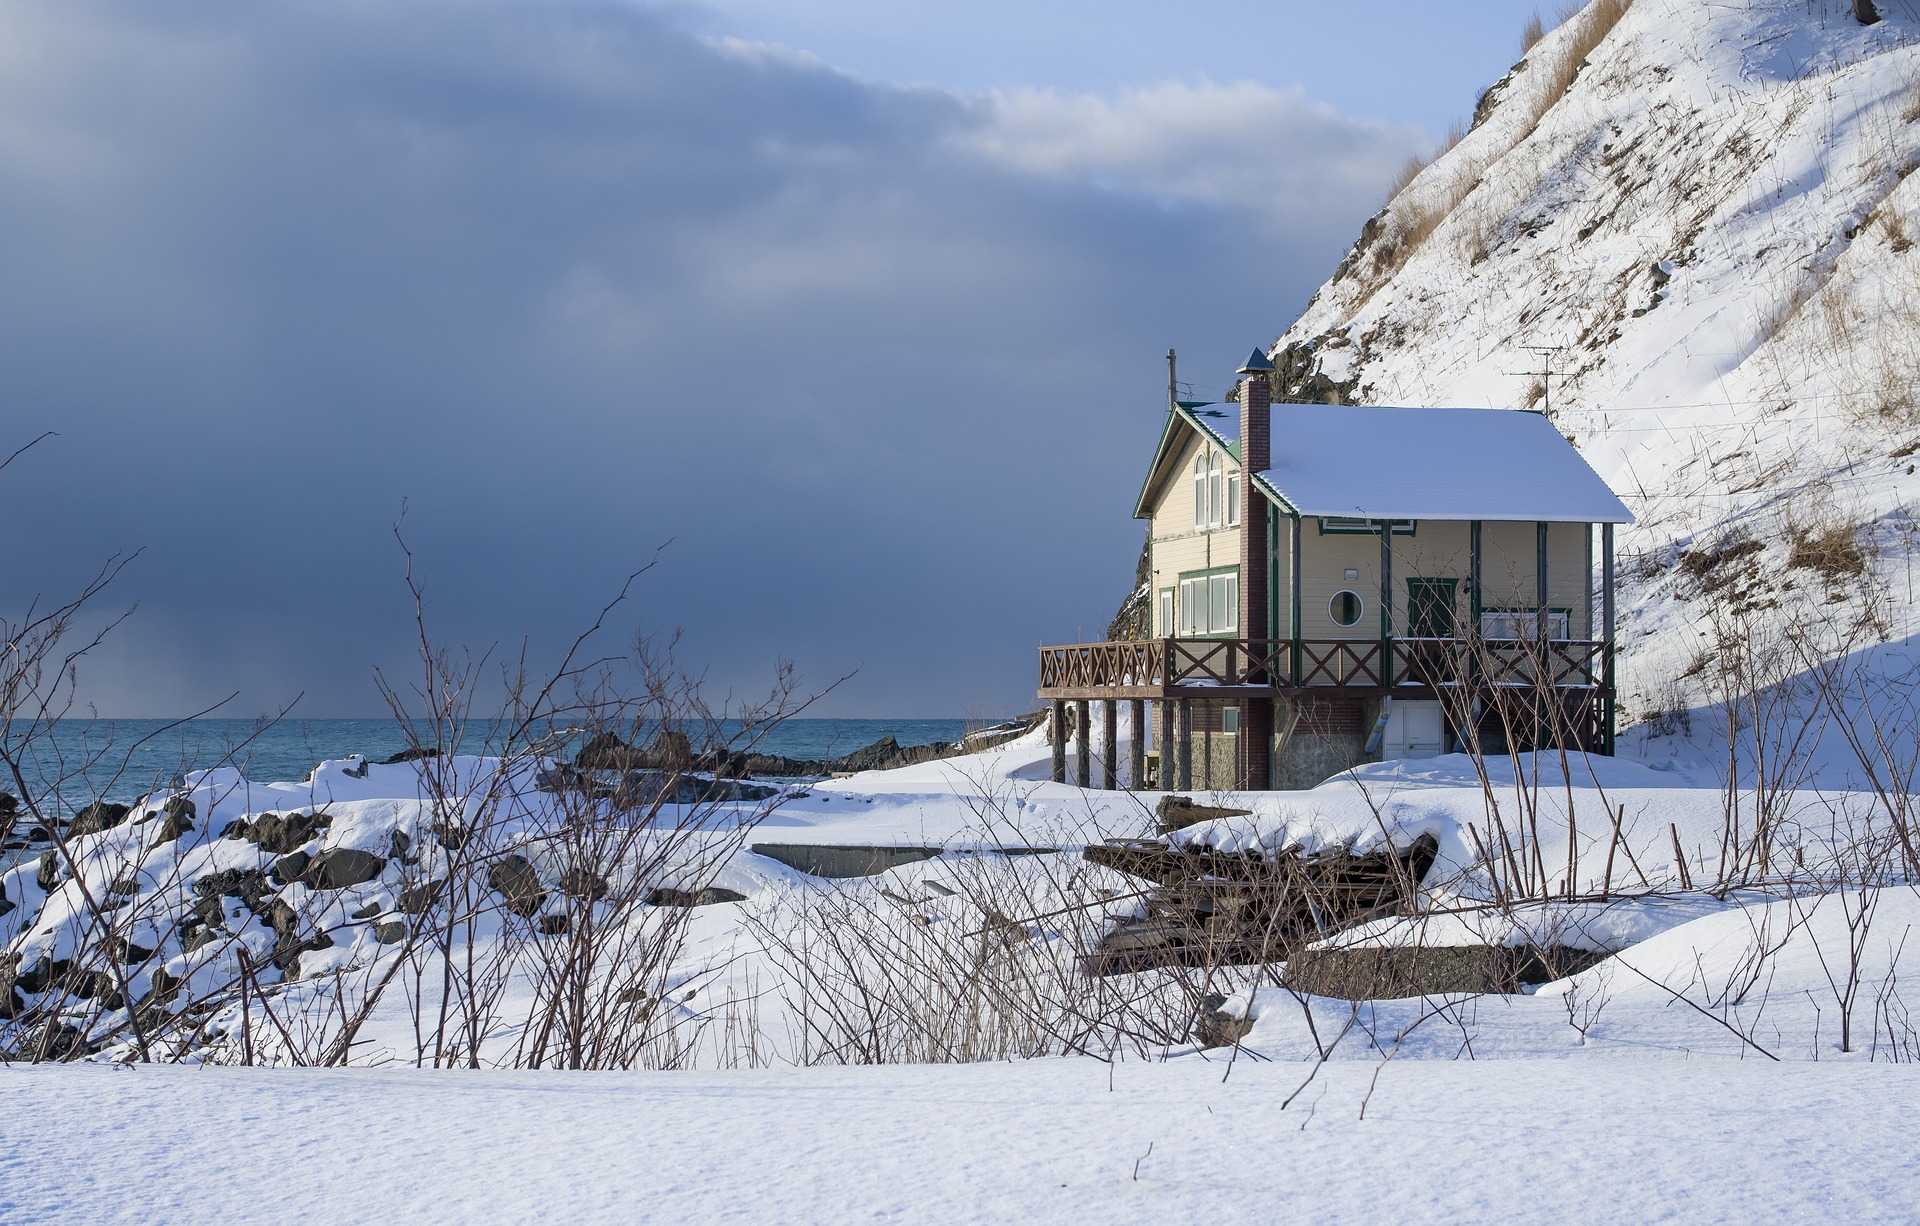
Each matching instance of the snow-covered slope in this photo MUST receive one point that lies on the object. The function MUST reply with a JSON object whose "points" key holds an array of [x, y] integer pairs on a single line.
{"points": [[1698, 253]]}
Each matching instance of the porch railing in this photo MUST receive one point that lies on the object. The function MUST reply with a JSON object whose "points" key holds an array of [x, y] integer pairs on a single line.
{"points": [[1148, 666]]}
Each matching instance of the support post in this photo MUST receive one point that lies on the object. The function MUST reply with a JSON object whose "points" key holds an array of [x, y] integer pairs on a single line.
{"points": [[1110, 746], [1082, 743], [1541, 590], [1543, 692], [1299, 651], [1386, 602], [1476, 604], [1137, 732], [1255, 744], [1059, 740], [1186, 744], [1606, 639], [1166, 745]]}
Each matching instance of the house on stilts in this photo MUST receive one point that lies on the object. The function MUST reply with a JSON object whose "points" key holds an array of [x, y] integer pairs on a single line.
{"points": [[1337, 584]]}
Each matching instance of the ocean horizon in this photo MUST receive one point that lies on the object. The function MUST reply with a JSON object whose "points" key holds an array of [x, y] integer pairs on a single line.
{"points": [[124, 759]]}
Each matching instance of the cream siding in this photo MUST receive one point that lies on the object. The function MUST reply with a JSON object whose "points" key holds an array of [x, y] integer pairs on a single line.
{"points": [[1436, 550], [1180, 548]]}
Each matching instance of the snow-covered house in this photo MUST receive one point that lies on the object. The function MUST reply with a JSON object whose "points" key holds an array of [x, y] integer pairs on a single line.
{"points": [[1333, 584]]}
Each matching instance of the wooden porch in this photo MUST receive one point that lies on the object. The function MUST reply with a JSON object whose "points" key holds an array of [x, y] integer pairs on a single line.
{"points": [[1498, 694]]}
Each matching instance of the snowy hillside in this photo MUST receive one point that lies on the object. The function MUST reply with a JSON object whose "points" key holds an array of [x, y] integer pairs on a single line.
{"points": [[1688, 232]]}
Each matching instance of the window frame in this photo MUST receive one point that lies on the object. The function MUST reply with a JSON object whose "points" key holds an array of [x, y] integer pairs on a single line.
{"points": [[1221, 585]]}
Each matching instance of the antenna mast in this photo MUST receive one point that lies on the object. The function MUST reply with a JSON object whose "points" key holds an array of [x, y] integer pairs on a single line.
{"points": [[1173, 395]]}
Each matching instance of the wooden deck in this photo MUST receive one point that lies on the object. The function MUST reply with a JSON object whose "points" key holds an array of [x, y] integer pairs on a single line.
{"points": [[1197, 668]]}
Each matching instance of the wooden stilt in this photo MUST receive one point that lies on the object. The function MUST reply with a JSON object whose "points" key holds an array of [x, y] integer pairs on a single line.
{"points": [[1082, 743], [1110, 746]]}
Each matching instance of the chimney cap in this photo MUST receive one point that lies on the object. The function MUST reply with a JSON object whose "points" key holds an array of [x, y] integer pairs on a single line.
{"points": [[1257, 364]]}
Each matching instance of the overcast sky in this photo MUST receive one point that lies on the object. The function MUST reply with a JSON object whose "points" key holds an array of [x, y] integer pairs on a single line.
{"points": [[861, 306]]}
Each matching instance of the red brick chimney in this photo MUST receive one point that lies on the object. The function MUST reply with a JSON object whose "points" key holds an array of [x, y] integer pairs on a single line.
{"points": [[1254, 747], [1256, 455]]}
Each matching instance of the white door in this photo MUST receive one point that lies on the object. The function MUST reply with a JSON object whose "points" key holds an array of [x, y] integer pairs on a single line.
{"points": [[1415, 730]]}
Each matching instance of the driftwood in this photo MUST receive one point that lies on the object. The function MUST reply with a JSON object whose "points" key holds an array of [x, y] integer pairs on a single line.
{"points": [[1212, 908], [1179, 812]]}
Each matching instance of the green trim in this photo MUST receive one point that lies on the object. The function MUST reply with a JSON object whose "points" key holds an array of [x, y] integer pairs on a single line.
{"points": [[1452, 589], [1209, 573], [1367, 528], [1273, 569], [1172, 597]]}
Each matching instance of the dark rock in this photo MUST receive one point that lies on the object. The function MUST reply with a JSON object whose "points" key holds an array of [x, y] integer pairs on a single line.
{"points": [[289, 944], [126, 885], [514, 877], [9, 805], [249, 885], [5, 905], [236, 829], [55, 1041], [341, 867], [583, 884], [98, 816], [126, 952], [608, 752], [201, 936], [161, 991], [12, 1004], [97, 986], [1212, 1027], [40, 976], [390, 932], [417, 753], [279, 834], [1371, 972], [180, 813], [449, 836], [369, 911], [358, 771], [554, 925], [1866, 12], [398, 844], [686, 898], [1133, 620], [416, 899], [52, 872], [291, 867]]}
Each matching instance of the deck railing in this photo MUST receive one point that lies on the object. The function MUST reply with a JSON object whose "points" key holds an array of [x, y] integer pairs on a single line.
{"points": [[1148, 666]]}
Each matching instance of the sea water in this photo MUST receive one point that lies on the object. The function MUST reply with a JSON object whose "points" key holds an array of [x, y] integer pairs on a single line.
{"points": [[124, 759]]}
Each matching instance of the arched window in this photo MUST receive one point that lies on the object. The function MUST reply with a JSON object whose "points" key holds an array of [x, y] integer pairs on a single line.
{"points": [[1200, 490], [1233, 497], [1214, 504]]}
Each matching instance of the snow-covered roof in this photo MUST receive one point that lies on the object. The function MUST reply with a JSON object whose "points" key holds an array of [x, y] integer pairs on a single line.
{"points": [[1384, 463]]}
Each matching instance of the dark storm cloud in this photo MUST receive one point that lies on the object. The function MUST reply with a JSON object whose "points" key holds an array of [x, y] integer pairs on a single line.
{"points": [[883, 363]]}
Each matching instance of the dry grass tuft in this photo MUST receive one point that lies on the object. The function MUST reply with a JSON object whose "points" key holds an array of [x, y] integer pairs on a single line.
{"points": [[1831, 550], [1531, 34], [1589, 28]]}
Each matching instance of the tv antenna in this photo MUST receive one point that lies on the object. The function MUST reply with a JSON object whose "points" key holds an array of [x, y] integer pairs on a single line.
{"points": [[1547, 355]]}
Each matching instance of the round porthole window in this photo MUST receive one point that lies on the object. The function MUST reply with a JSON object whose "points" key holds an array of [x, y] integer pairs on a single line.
{"points": [[1345, 608]]}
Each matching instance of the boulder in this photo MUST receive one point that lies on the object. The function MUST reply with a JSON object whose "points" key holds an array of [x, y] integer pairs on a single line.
{"points": [[179, 820], [289, 944], [416, 753], [607, 752], [55, 1041], [368, 912], [272, 832], [291, 867], [238, 828], [582, 884], [340, 867], [129, 954], [398, 845], [514, 877], [554, 924], [9, 805], [98, 816], [688, 898], [1373, 972], [97, 986], [390, 932], [1214, 1027], [451, 837], [249, 885], [417, 899], [52, 872], [40, 976]]}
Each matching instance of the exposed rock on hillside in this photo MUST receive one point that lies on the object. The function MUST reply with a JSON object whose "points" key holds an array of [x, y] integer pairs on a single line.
{"points": [[1687, 233]]}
